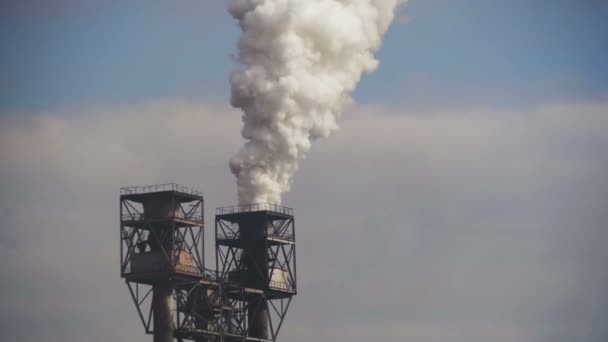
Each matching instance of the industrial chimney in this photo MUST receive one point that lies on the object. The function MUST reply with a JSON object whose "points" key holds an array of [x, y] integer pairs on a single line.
{"points": [[255, 248], [161, 232], [162, 249]]}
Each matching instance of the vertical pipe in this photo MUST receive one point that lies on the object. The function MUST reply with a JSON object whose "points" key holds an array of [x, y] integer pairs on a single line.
{"points": [[201, 240], [162, 290], [162, 302], [122, 228], [258, 311], [254, 230], [293, 276], [217, 255], [257, 318]]}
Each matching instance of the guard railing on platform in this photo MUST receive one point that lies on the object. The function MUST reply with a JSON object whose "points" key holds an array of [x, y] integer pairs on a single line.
{"points": [[254, 207], [179, 268], [227, 236], [271, 234], [284, 236], [140, 216], [132, 190], [279, 285]]}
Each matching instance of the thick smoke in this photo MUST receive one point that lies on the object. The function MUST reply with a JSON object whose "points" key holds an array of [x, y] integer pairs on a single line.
{"points": [[301, 60]]}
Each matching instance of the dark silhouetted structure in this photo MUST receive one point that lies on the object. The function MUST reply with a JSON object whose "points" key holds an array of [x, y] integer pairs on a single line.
{"points": [[162, 260]]}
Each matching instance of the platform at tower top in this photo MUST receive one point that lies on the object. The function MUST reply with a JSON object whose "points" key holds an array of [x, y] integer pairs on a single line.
{"points": [[137, 190], [249, 208]]}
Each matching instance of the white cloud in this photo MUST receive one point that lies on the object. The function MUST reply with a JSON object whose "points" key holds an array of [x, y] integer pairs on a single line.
{"points": [[445, 226]]}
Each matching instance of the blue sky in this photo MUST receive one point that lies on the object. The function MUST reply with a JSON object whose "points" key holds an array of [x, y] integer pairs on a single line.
{"points": [[507, 53], [463, 199]]}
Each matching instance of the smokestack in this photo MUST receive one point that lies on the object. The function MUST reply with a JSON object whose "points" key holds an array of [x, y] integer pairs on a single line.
{"points": [[253, 230], [255, 248], [301, 60], [162, 304], [161, 234], [161, 230], [157, 209]]}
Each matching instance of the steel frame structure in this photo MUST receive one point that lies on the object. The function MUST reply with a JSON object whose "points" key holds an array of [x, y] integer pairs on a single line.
{"points": [[159, 226], [234, 250], [182, 231], [158, 223]]}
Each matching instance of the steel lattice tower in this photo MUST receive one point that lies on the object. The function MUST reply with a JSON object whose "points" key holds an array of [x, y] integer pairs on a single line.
{"points": [[162, 261], [256, 252]]}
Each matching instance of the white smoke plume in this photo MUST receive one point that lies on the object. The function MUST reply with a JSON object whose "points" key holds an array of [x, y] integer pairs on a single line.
{"points": [[301, 60]]}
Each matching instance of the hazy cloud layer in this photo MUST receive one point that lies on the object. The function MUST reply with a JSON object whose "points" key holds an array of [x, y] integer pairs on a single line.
{"points": [[446, 226]]}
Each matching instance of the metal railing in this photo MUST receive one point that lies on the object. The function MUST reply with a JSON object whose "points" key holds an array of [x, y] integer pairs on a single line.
{"points": [[279, 285], [181, 268], [271, 234], [284, 236], [165, 267], [227, 236], [254, 207], [132, 190], [179, 215]]}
